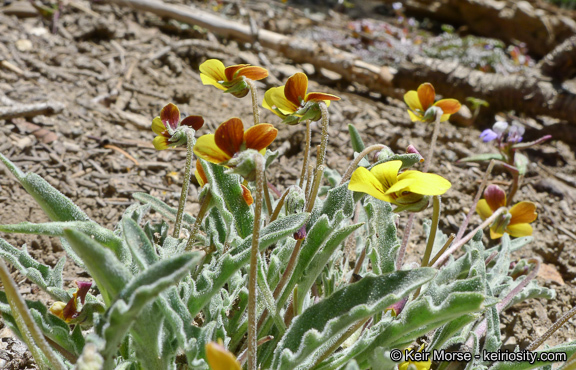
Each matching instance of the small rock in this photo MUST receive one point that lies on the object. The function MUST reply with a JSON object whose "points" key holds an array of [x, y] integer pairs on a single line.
{"points": [[330, 75], [287, 70], [308, 69], [550, 273], [549, 185], [463, 118], [23, 45], [24, 142]]}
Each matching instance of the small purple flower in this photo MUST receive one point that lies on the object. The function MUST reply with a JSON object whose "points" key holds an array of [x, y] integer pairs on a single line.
{"points": [[515, 133], [397, 6], [488, 135], [500, 127]]}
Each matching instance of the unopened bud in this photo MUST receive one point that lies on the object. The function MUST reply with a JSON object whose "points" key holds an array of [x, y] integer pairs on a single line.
{"points": [[431, 113], [295, 200], [383, 154], [243, 164], [412, 150]]}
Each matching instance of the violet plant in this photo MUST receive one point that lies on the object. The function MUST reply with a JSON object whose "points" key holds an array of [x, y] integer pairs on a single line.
{"points": [[262, 283]]}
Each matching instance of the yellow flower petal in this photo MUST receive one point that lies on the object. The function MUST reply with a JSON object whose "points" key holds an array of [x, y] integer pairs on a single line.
{"points": [[411, 99], [387, 173], [274, 97], [444, 117], [426, 183], [161, 142], [219, 358], [400, 185], [157, 126], [495, 234], [519, 230], [214, 69], [365, 182], [414, 117], [483, 209], [207, 80], [207, 149], [523, 212]]}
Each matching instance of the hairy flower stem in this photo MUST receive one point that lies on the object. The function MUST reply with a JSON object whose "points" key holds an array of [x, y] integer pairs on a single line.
{"points": [[357, 160], [324, 140], [190, 140], [433, 230], [444, 257], [254, 93], [561, 321], [31, 334], [481, 329], [267, 198], [410, 222], [279, 205], [252, 282], [402, 250], [199, 218], [306, 154], [433, 141], [442, 250], [475, 202]]}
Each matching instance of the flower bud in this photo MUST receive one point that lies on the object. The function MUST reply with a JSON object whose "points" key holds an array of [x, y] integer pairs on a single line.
{"points": [[243, 164], [430, 114], [295, 200], [383, 154], [412, 150]]}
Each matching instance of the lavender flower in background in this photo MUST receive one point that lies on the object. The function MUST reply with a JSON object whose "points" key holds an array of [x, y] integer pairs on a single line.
{"points": [[515, 132]]}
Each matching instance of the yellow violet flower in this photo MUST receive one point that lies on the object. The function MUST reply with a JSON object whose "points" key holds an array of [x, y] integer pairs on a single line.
{"points": [[515, 222], [418, 365], [71, 310], [229, 139], [167, 127], [219, 358], [230, 79], [407, 190], [293, 103], [420, 101]]}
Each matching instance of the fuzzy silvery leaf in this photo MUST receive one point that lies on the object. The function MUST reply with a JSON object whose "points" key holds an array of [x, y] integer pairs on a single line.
{"points": [[55, 204], [311, 333], [227, 195], [47, 278], [163, 208], [408, 160], [317, 261], [532, 290], [110, 274], [483, 157], [450, 330], [216, 230], [97, 232], [383, 237], [210, 282], [338, 204], [355, 139], [141, 248], [127, 306]]}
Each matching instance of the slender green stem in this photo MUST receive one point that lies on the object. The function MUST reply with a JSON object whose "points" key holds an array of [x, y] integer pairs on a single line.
{"points": [[431, 236], [351, 330], [475, 202], [252, 281], [254, 93], [306, 154], [433, 141], [31, 334], [279, 205], [190, 140], [433, 230], [308, 182], [267, 195], [315, 187], [289, 268], [324, 140], [410, 223], [444, 257], [357, 160], [442, 250], [201, 214]]}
